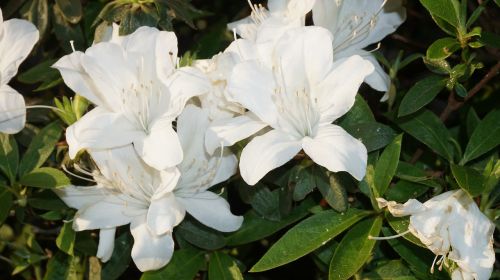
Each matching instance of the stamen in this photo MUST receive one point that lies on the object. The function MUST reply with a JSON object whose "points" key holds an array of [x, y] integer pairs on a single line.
{"points": [[75, 175], [388, 237], [433, 263], [72, 43]]}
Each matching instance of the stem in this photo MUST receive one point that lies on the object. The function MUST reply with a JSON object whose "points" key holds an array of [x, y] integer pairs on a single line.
{"points": [[454, 104]]}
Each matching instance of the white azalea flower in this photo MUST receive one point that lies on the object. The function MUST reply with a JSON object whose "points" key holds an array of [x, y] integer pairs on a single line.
{"points": [[17, 38], [138, 91], [153, 202], [451, 226], [356, 24], [267, 25], [298, 96]]}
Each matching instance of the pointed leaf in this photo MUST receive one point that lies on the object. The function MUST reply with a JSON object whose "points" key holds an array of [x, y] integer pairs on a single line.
{"points": [[46, 178], [485, 137], [421, 94], [223, 267], [184, 265], [9, 156], [387, 165], [66, 238], [468, 179]]}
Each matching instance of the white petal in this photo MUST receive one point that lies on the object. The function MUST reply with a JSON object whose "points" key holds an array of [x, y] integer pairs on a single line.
{"points": [[411, 207], [160, 149], [150, 251], [252, 85], [12, 110], [228, 166], [226, 132], [164, 214], [246, 28], [242, 49], [17, 39], [109, 212], [106, 244], [191, 128], [80, 197], [75, 77], [337, 93], [212, 211], [378, 80], [169, 179], [297, 8], [265, 153], [325, 14], [305, 56], [101, 129], [336, 150], [166, 54], [184, 83]]}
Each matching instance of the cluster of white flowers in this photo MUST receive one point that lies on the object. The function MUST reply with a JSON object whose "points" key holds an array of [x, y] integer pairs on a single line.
{"points": [[282, 83]]}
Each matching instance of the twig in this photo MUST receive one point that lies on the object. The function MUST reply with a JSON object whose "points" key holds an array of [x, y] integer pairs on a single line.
{"points": [[454, 104]]}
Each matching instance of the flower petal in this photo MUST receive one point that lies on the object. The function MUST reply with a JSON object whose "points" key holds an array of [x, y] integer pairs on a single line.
{"points": [[378, 80], [252, 85], [101, 129], [226, 132], [228, 166], [12, 110], [191, 128], [164, 214], [336, 150], [150, 251], [265, 153], [337, 93], [411, 207], [160, 149], [212, 211], [80, 197], [17, 40], [106, 244]]}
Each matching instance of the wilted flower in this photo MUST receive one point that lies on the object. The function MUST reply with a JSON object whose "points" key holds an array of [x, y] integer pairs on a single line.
{"points": [[17, 38], [138, 91], [153, 202], [356, 25], [451, 226], [298, 93]]}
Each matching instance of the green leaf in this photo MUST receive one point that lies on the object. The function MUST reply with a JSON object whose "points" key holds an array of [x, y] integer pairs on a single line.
{"points": [[38, 14], [359, 113], [184, 265], [354, 249], [9, 156], [468, 179], [387, 165], [307, 236], [266, 202], [120, 259], [39, 73], [71, 10], [485, 137], [419, 258], [64, 267], [66, 32], [374, 135], [392, 270], [137, 16], [200, 235], [332, 187], [40, 148], [6, 203], [66, 239], [46, 178], [490, 39], [421, 94], [443, 48], [223, 267], [401, 225], [448, 10], [412, 173], [46, 200], [430, 130], [472, 121], [255, 227], [302, 180], [404, 190], [461, 90]]}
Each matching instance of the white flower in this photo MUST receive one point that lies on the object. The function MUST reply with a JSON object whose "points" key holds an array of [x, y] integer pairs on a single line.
{"points": [[138, 91], [452, 226], [153, 202], [356, 24], [268, 25], [299, 95], [17, 38]]}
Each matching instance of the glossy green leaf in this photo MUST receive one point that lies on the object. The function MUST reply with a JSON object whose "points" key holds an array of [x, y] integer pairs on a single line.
{"points": [[472, 122], [65, 241], [404, 190], [40, 148], [392, 270], [468, 179], [6, 203], [45, 177], [421, 94], [359, 113], [443, 48], [120, 259], [223, 267], [307, 236], [184, 265], [9, 156], [485, 137], [448, 10], [412, 173], [387, 165], [374, 135], [71, 10], [354, 249], [426, 127], [199, 235], [332, 187], [302, 180], [256, 227]]}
